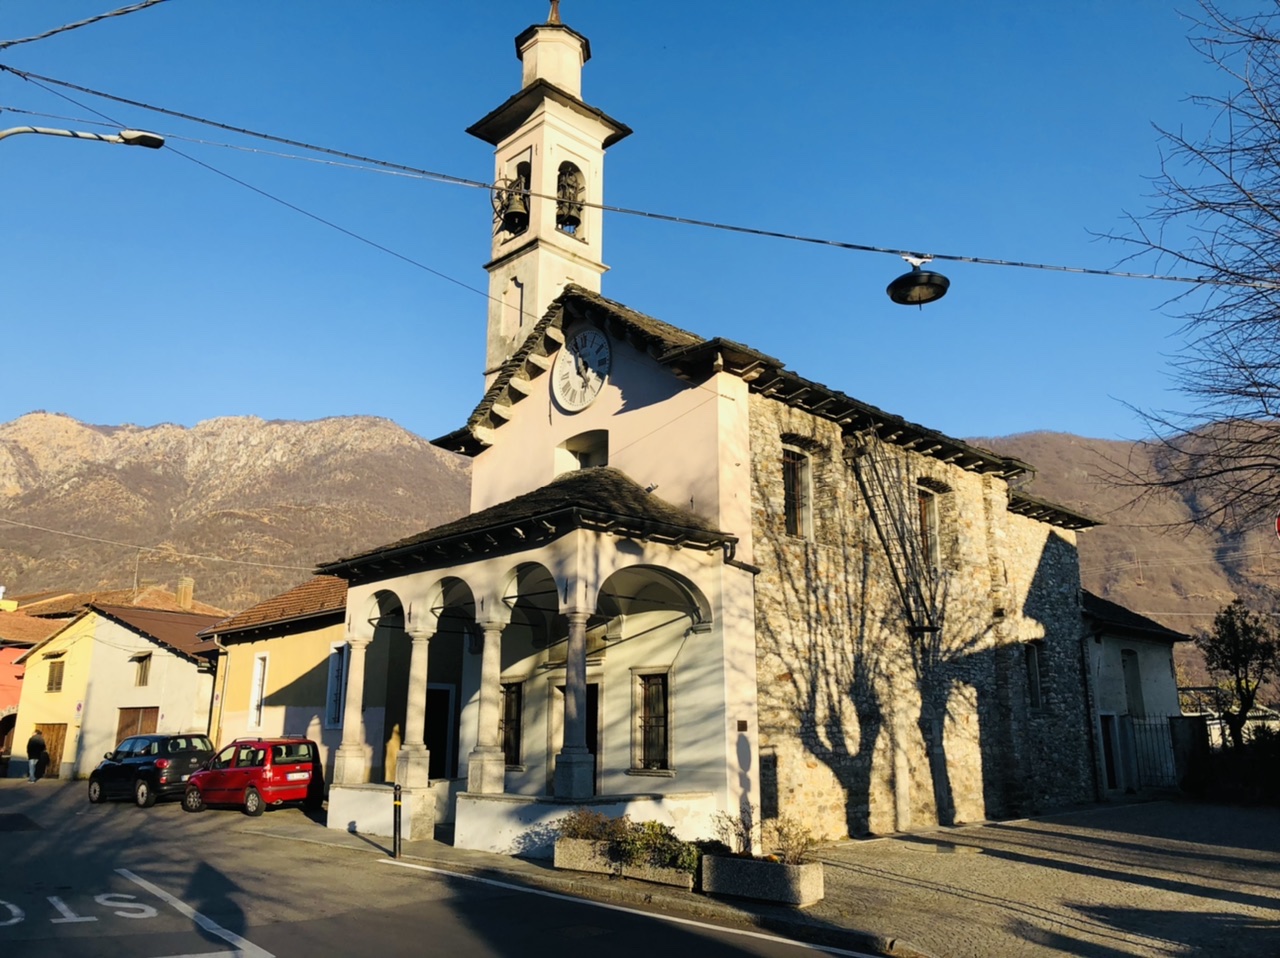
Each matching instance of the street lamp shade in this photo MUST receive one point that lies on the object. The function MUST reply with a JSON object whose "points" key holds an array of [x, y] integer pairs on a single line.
{"points": [[918, 287], [152, 141]]}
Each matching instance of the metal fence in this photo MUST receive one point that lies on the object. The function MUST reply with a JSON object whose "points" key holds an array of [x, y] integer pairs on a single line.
{"points": [[1151, 746]]}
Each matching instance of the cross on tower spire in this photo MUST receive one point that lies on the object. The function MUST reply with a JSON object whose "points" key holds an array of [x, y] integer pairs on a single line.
{"points": [[554, 15]]}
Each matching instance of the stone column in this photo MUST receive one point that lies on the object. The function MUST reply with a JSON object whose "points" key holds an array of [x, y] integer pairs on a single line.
{"points": [[575, 765], [487, 766], [414, 762], [349, 766]]}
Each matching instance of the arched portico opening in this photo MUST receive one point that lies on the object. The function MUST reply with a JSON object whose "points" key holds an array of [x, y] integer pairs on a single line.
{"points": [[386, 683]]}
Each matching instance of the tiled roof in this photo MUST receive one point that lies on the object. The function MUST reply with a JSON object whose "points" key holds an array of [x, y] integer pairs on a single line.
{"points": [[19, 629], [320, 595], [178, 630], [1117, 618], [695, 359], [600, 498], [152, 597]]}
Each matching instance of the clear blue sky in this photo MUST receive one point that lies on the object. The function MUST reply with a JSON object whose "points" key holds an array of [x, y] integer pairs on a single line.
{"points": [[139, 287]]}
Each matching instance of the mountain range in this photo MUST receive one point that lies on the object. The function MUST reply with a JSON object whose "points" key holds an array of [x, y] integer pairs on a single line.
{"points": [[248, 507]]}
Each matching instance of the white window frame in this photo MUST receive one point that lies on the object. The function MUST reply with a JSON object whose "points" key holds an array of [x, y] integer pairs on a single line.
{"points": [[258, 691], [638, 673], [339, 669]]}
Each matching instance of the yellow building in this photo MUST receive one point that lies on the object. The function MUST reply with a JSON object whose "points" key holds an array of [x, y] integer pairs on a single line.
{"points": [[281, 667]]}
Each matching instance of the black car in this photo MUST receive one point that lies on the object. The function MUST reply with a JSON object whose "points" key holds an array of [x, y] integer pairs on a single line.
{"points": [[147, 767]]}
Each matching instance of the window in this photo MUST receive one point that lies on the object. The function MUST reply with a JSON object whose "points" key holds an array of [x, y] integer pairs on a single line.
{"points": [[258, 691], [509, 724], [795, 490], [583, 451], [55, 676], [654, 751], [1132, 683], [143, 674], [930, 551], [1032, 652], [570, 188], [336, 699]]}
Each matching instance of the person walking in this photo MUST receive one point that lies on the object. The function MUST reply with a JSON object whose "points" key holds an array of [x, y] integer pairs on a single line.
{"points": [[36, 749]]}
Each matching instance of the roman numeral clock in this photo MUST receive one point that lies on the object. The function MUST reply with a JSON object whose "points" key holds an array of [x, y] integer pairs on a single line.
{"points": [[581, 369]]}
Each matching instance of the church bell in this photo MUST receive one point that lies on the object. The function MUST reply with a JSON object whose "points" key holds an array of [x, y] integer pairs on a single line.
{"points": [[515, 215]]}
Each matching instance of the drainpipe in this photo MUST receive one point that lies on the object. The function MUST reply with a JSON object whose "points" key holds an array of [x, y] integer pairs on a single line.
{"points": [[222, 696]]}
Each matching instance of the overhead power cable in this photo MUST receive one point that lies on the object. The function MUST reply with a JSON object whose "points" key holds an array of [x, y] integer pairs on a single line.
{"points": [[170, 553], [82, 23], [662, 217]]}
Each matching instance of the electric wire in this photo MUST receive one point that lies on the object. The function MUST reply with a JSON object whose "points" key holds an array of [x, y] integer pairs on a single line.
{"points": [[4, 44], [646, 214], [161, 551]]}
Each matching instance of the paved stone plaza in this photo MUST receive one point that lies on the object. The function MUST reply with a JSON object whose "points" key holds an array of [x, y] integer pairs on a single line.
{"points": [[1163, 878]]}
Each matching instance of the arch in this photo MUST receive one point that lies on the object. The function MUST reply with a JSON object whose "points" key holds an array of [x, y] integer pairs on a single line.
{"points": [[571, 186], [532, 599], [643, 588]]}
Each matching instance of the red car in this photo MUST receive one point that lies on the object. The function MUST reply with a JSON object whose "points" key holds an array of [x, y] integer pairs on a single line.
{"points": [[256, 772]]}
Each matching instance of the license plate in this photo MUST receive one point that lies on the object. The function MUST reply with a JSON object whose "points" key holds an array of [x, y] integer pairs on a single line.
{"points": [[298, 776]]}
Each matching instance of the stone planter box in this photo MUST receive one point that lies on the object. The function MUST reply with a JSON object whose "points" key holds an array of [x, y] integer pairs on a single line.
{"points": [[766, 881], [583, 855], [660, 876]]}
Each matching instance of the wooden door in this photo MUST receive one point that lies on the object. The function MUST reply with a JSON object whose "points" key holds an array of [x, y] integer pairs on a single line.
{"points": [[137, 722], [55, 736]]}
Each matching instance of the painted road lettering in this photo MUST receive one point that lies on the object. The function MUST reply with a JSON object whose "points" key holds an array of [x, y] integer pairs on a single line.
{"points": [[119, 904]]}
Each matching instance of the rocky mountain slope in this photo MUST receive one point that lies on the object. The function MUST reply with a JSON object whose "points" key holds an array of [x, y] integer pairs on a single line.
{"points": [[129, 504], [278, 497], [1146, 557]]}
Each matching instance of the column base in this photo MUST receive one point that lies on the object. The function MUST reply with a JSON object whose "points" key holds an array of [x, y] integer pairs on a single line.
{"points": [[487, 771], [413, 767], [349, 767], [575, 775]]}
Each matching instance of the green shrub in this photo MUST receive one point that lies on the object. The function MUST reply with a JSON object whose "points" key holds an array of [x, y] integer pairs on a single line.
{"points": [[592, 826], [633, 843]]}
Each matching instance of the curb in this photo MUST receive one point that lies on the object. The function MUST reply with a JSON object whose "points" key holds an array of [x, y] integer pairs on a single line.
{"points": [[616, 890]]}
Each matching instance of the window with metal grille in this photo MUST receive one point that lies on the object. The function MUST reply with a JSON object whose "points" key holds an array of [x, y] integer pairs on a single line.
{"points": [[1035, 690], [653, 722], [795, 489], [509, 724], [143, 674], [930, 552], [335, 700], [55, 677]]}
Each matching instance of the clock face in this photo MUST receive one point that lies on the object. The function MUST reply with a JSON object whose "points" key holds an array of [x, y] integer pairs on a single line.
{"points": [[580, 369]]}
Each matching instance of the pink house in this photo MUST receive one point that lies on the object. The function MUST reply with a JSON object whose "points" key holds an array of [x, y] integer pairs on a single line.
{"points": [[18, 633]]}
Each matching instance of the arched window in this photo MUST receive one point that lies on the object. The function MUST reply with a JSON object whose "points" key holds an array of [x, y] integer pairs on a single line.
{"points": [[797, 492], [570, 189], [583, 451]]}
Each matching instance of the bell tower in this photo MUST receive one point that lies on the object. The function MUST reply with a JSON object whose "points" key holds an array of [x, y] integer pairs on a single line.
{"points": [[548, 168]]}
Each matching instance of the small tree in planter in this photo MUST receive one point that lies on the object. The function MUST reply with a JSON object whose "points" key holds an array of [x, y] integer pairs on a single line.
{"points": [[783, 876]]}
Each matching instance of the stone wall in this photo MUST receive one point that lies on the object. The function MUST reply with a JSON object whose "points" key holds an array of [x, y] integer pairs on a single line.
{"points": [[864, 729]]}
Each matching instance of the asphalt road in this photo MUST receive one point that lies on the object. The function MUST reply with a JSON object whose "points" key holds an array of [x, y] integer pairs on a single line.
{"points": [[107, 880]]}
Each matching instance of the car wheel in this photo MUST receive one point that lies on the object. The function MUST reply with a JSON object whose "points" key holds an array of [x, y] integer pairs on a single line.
{"points": [[253, 803], [144, 796], [192, 800], [96, 794]]}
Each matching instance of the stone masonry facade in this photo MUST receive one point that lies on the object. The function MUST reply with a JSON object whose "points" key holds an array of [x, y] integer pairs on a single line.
{"points": [[869, 727]]}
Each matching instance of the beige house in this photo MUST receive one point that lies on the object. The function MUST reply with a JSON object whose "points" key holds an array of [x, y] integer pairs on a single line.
{"points": [[692, 581], [282, 665], [111, 672]]}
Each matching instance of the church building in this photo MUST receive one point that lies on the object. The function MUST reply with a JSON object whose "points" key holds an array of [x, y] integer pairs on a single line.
{"points": [[693, 583]]}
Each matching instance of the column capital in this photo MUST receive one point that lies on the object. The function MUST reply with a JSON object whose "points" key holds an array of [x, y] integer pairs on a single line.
{"points": [[419, 634], [577, 615], [358, 641], [491, 625]]}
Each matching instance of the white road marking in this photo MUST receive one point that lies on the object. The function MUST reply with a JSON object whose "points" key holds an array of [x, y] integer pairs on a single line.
{"points": [[743, 933], [244, 948]]}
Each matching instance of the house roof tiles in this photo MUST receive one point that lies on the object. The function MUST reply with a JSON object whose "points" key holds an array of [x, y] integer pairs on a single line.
{"points": [[599, 498], [319, 595], [1113, 617], [178, 630], [66, 604], [16, 628]]}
